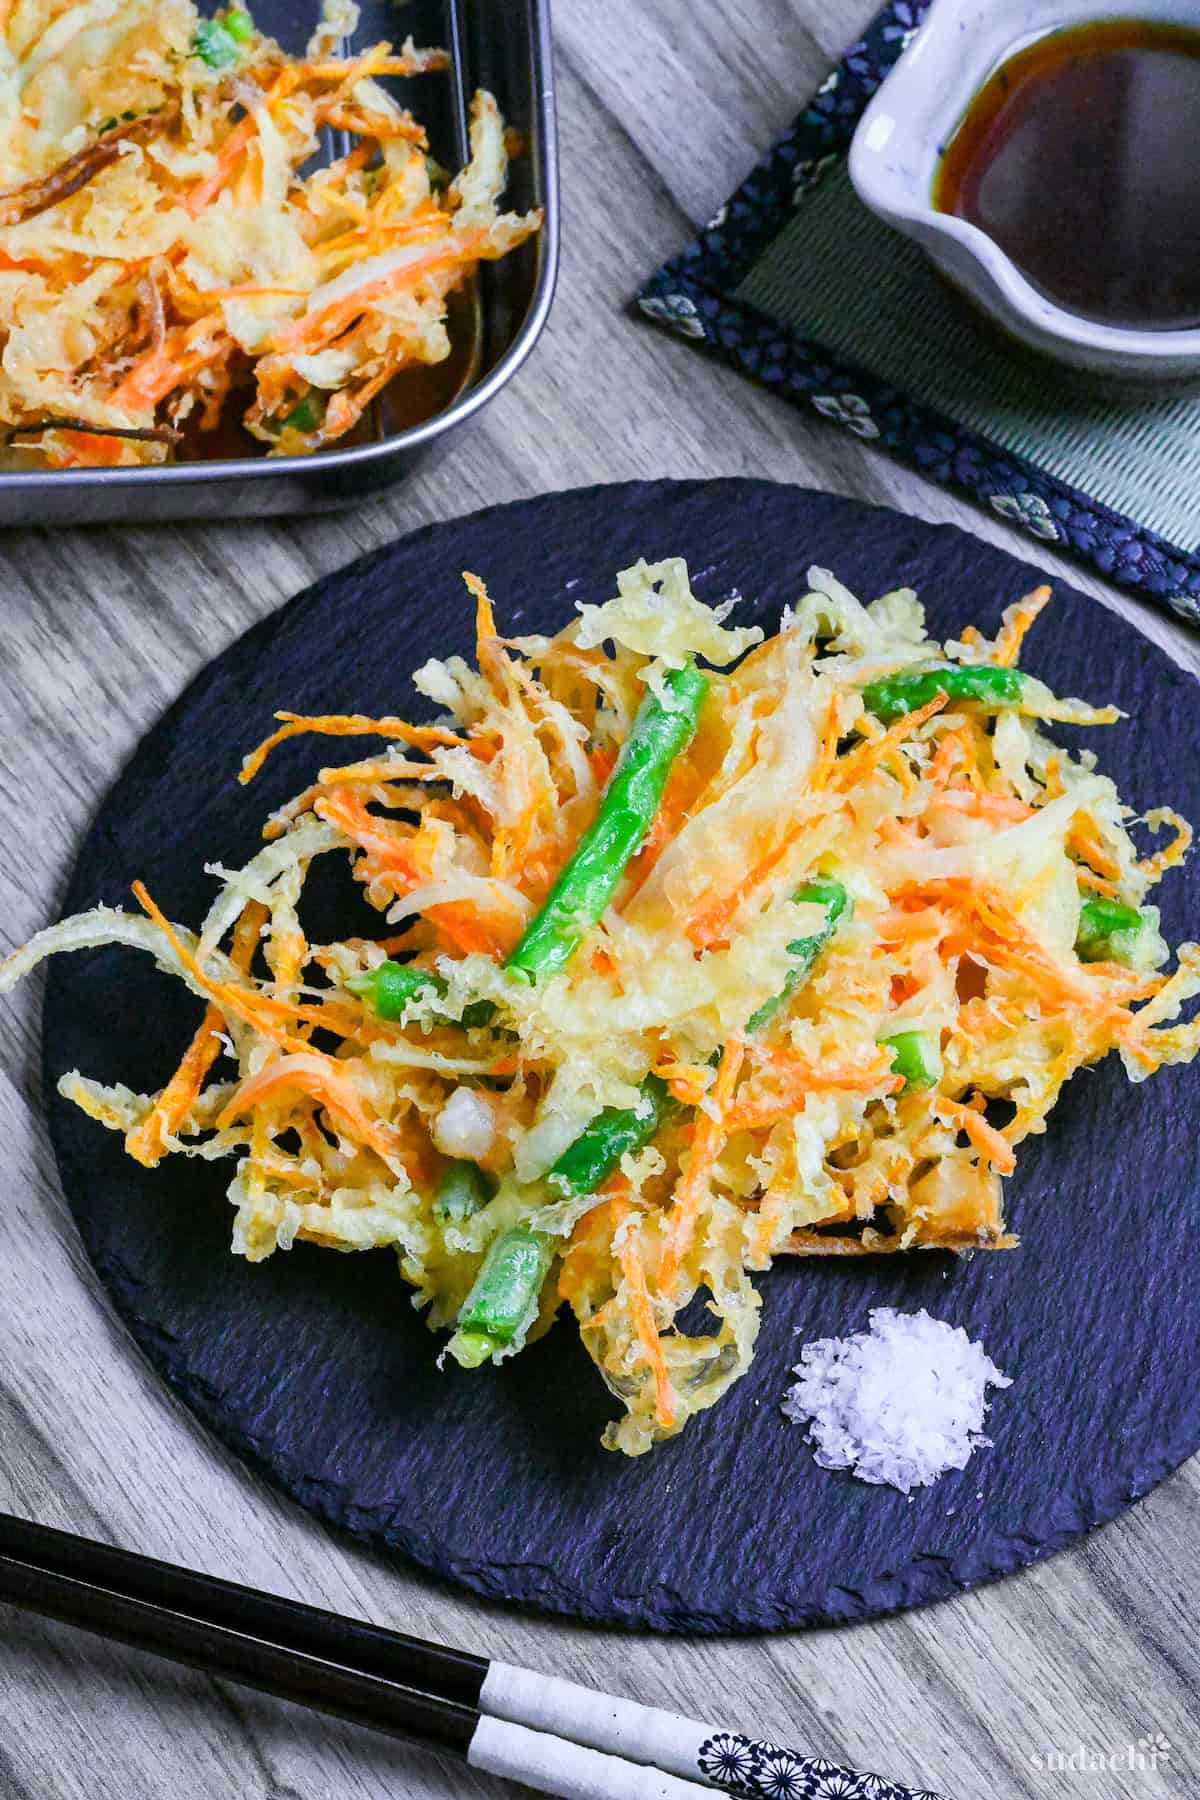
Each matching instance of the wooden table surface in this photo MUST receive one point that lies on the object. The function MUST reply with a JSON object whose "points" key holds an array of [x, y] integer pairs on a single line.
{"points": [[664, 106]]}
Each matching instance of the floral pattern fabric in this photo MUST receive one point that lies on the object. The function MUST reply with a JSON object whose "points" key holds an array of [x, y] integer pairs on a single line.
{"points": [[693, 295], [751, 1770]]}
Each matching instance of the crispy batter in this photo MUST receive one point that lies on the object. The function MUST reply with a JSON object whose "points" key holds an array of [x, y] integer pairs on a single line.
{"points": [[966, 844], [169, 250]]}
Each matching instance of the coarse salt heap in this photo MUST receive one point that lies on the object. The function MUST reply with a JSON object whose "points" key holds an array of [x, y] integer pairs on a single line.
{"points": [[900, 1403]]}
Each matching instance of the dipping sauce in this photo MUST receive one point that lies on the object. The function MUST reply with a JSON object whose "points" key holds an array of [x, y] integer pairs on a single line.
{"points": [[1080, 157]]}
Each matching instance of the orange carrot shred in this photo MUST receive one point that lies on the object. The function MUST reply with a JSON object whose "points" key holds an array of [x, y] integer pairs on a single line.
{"points": [[343, 725], [1008, 644], [989, 1142], [634, 1272], [710, 1135], [146, 1142]]}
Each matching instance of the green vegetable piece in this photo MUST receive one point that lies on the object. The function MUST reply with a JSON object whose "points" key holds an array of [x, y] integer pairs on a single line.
{"points": [[471, 1349], [618, 1130], [239, 25], [504, 1299], [826, 892], [390, 986], [303, 417], [627, 811], [463, 1190], [916, 1056], [215, 44], [1108, 931], [894, 695]]}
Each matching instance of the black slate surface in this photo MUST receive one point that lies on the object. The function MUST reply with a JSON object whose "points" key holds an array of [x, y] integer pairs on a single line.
{"points": [[315, 1366]]}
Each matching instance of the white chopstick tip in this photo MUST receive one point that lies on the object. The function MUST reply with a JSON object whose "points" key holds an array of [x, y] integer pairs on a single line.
{"points": [[571, 1771]]}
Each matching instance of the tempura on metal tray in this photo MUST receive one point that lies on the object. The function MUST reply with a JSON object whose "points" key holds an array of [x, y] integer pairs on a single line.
{"points": [[172, 244], [685, 967]]}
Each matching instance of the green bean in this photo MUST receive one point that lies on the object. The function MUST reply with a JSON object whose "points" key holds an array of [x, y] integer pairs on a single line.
{"points": [[463, 1190], [894, 695], [823, 890], [304, 416], [390, 986], [619, 1130], [916, 1056], [588, 1162], [1108, 931], [507, 1286], [627, 810], [219, 43], [504, 1299]]}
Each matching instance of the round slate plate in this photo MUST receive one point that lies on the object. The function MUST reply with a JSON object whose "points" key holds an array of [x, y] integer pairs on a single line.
{"points": [[316, 1368]]}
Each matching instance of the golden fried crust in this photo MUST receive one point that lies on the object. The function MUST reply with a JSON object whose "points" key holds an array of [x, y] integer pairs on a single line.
{"points": [[872, 1243]]}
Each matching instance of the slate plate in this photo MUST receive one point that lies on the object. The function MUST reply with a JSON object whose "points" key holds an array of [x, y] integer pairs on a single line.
{"points": [[314, 1366]]}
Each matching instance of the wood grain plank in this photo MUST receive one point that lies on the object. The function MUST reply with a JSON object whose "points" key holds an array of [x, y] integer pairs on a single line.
{"points": [[664, 107]]}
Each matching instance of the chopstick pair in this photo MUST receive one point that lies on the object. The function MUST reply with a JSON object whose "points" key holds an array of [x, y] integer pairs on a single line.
{"points": [[551, 1734]]}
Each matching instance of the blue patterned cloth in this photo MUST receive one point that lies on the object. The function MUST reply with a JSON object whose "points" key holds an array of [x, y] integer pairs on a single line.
{"points": [[694, 294]]}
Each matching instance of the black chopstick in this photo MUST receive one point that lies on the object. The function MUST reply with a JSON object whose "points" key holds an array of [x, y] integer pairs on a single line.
{"points": [[347, 1693], [514, 1751], [542, 1730], [454, 1674]]}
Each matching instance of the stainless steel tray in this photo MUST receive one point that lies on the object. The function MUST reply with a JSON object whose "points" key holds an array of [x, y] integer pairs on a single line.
{"points": [[502, 45]]}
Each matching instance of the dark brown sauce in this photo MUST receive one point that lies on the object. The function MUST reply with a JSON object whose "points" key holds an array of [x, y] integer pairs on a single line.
{"points": [[1080, 157]]}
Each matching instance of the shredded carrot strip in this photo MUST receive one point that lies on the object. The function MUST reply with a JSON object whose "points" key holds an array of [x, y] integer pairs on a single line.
{"points": [[710, 924], [688, 1082], [163, 369], [226, 161], [329, 321], [316, 1075], [1176, 850], [1085, 840], [602, 761], [145, 1143], [1005, 808], [987, 1140], [679, 797], [1053, 779], [343, 725], [233, 1002], [488, 651], [710, 1135], [866, 756], [1008, 644], [1088, 878], [950, 752], [797, 1078], [642, 1313], [337, 171], [90, 447], [397, 857], [987, 927], [827, 755], [228, 155], [590, 1243]]}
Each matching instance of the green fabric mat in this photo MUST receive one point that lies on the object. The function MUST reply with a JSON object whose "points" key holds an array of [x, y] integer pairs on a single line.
{"points": [[839, 275]]}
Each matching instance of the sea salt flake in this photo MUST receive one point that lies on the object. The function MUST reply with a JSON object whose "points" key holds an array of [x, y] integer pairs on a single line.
{"points": [[899, 1404]]}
